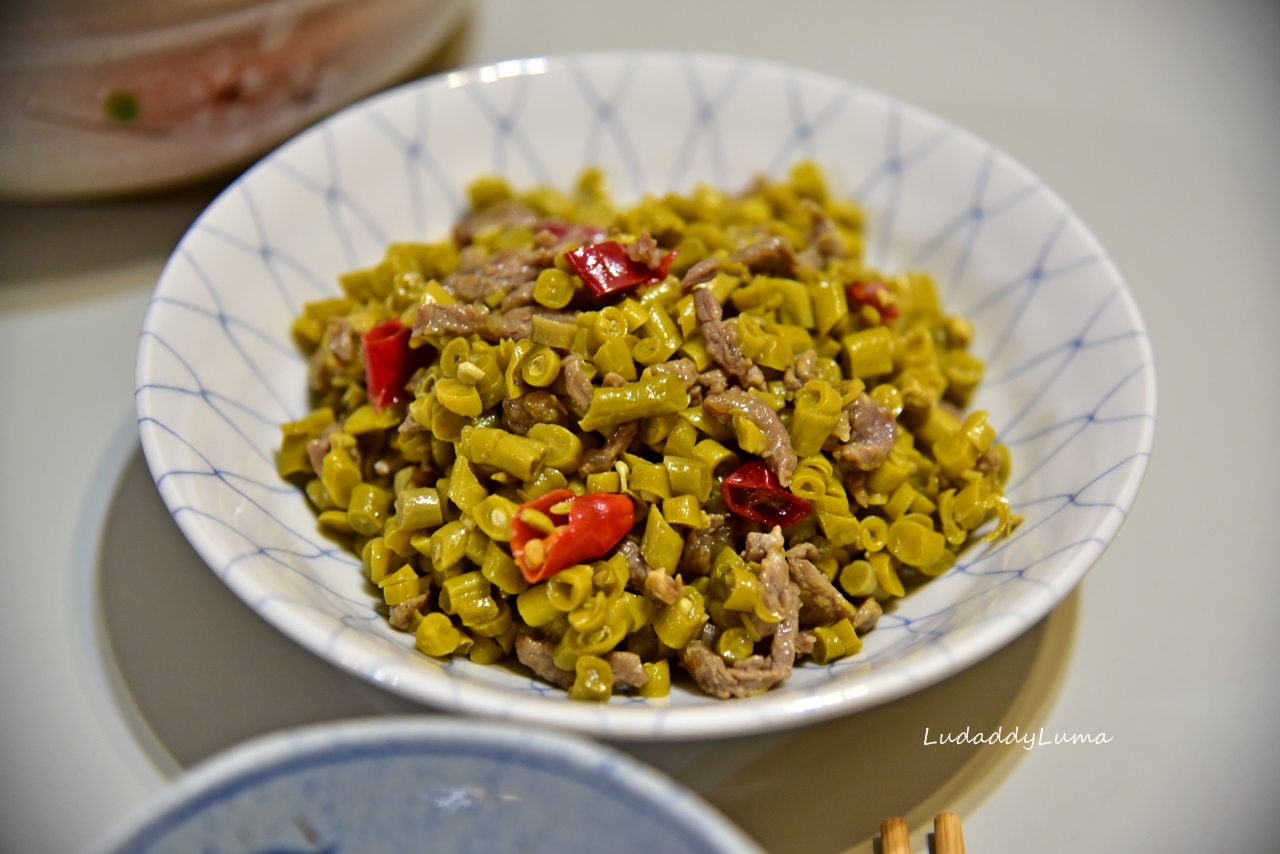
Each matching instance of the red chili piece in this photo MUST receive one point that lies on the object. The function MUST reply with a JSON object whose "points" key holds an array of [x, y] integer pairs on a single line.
{"points": [[388, 361], [606, 268], [871, 293], [594, 524], [753, 491]]}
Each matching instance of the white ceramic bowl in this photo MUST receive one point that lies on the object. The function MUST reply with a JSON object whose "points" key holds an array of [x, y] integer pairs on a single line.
{"points": [[403, 784], [1070, 381]]}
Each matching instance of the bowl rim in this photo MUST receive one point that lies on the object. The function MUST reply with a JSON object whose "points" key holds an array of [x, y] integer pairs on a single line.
{"points": [[259, 760], [771, 711]]}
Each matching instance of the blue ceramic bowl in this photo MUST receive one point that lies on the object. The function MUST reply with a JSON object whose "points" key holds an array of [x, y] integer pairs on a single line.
{"points": [[409, 785]]}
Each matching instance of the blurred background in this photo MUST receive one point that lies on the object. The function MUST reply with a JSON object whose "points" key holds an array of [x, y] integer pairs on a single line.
{"points": [[1158, 120]]}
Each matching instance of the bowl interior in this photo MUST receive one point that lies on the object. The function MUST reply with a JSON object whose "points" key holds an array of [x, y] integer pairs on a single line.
{"points": [[1069, 385]]}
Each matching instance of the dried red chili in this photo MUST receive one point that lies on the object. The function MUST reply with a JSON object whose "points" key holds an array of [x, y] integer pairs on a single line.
{"points": [[590, 526], [606, 268], [753, 491], [875, 295], [388, 361]]}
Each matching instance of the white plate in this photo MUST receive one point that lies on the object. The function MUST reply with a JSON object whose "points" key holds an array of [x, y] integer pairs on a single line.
{"points": [[405, 784], [1070, 381]]}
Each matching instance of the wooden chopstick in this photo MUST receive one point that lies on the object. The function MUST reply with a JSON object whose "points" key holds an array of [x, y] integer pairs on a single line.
{"points": [[947, 835], [894, 838]]}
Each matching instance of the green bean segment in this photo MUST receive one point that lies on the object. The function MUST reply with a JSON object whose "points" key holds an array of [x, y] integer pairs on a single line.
{"points": [[516, 455], [540, 366], [367, 509], [593, 680], [554, 288], [653, 395]]}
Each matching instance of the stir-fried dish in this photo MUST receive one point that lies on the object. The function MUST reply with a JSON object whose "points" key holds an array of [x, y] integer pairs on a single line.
{"points": [[697, 431]]}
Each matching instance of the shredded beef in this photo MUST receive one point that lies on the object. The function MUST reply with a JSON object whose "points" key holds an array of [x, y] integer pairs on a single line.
{"points": [[402, 615], [805, 641], [536, 407], [722, 340], [771, 256], [988, 463], [873, 431], [782, 651], [471, 258], [823, 244], [613, 380], [807, 366], [682, 369], [435, 319], [476, 287], [500, 273], [316, 450], [714, 677], [627, 669], [576, 382], [535, 654], [319, 446], [802, 371], [778, 454], [637, 566], [518, 323], [822, 234], [645, 251], [714, 381], [521, 295], [800, 561], [602, 459], [410, 427], [342, 342], [768, 550], [754, 675], [855, 483], [662, 586], [867, 616], [704, 271]]}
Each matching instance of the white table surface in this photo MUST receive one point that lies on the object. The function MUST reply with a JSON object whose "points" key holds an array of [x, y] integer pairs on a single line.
{"points": [[122, 659]]}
